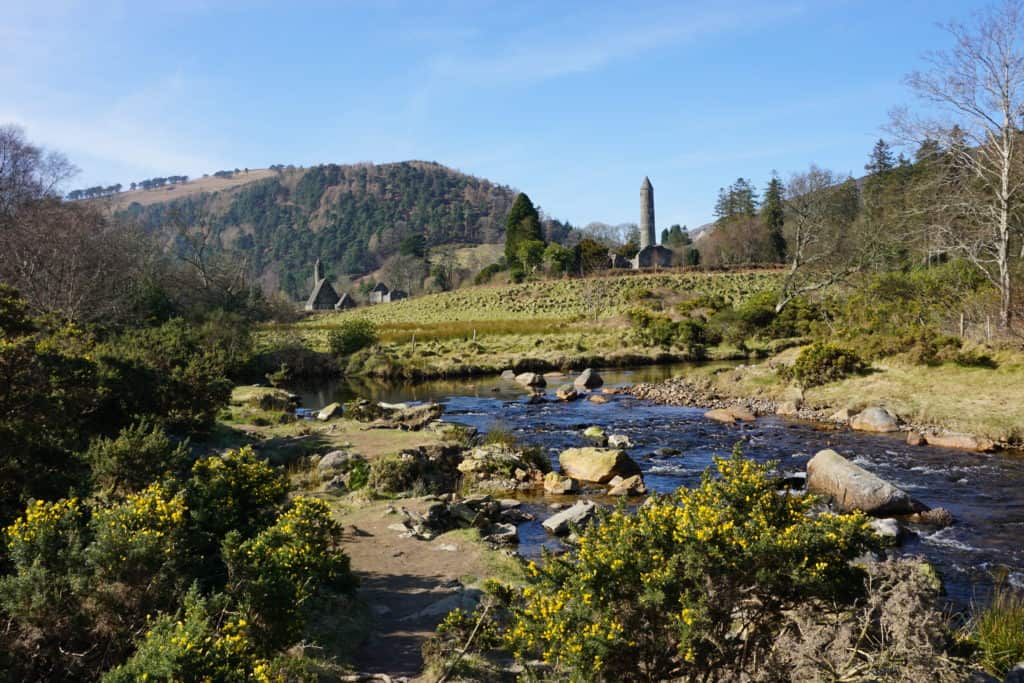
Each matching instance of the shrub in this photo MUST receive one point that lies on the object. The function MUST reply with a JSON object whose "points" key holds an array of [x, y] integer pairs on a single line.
{"points": [[45, 549], [234, 492], [652, 329], [202, 643], [351, 336], [997, 631], [821, 363], [692, 334], [487, 273], [138, 559], [394, 473], [169, 372], [275, 573], [137, 457], [694, 584]]}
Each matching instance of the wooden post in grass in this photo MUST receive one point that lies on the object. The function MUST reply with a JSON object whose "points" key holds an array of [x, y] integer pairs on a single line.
{"points": [[961, 325]]}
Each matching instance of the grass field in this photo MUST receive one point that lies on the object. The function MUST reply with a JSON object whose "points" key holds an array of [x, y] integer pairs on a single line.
{"points": [[544, 324], [563, 300]]}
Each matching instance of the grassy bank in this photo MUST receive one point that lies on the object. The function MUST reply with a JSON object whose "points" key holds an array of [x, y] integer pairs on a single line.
{"points": [[980, 401]]}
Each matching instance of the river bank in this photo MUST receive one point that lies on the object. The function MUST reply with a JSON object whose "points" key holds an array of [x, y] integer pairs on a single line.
{"points": [[934, 402]]}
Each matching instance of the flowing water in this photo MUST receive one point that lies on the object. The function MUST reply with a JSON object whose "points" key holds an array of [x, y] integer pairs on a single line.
{"points": [[984, 492]]}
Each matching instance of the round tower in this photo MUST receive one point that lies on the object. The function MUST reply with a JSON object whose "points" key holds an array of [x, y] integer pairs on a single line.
{"points": [[646, 214]]}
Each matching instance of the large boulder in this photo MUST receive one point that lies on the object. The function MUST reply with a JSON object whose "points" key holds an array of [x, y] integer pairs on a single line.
{"points": [[578, 515], [965, 442], [531, 379], [875, 419], [854, 488], [598, 465], [588, 379]]}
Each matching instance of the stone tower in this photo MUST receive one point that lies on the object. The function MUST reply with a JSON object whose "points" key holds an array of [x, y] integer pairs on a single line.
{"points": [[646, 214]]}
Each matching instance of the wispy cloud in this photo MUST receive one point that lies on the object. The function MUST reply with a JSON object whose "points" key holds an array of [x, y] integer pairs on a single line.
{"points": [[595, 41]]}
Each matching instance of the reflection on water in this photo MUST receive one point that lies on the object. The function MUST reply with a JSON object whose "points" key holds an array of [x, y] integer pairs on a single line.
{"points": [[982, 491], [319, 392]]}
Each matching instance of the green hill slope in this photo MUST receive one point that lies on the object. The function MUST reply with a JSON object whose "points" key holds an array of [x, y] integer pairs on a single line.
{"points": [[352, 217]]}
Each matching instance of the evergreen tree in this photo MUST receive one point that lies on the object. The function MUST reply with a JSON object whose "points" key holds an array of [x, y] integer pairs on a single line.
{"points": [[774, 216], [736, 201], [881, 159], [522, 225]]}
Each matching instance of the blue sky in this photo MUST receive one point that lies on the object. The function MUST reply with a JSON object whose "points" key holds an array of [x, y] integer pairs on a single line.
{"points": [[573, 103]]}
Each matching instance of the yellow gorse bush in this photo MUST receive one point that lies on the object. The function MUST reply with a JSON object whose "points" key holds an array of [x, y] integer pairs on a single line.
{"points": [[689, 583], [42, 519]]}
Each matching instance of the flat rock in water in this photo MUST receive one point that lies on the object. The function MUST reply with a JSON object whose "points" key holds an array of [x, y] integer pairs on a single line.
{"points": [[508, 375], [875, 419], [329, 412], [730, 415], [965, 442], [578, 514], [598, 465], [854, 488]]}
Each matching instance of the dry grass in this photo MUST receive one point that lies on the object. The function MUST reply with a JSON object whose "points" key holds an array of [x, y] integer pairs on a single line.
{"points": [[192, 187], [980, 401]]}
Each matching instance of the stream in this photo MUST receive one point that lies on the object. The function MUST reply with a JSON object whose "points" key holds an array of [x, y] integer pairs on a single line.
{"points": [[983, 491]]}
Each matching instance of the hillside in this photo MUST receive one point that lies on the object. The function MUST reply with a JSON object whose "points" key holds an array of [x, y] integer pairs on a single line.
{"points": [[206, 184], [353, 217]]}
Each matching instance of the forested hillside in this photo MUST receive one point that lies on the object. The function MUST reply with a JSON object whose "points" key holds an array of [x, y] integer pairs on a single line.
{"points": [[353, 217]]}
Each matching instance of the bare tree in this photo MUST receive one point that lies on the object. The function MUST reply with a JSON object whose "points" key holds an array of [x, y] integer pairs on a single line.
{"points": [[27, 172], [222, 279], [71, 261], [821, 246], [977, 87]]}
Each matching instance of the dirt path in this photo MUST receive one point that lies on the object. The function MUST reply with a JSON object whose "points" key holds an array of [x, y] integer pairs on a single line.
{"points": [[408, 584]]}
